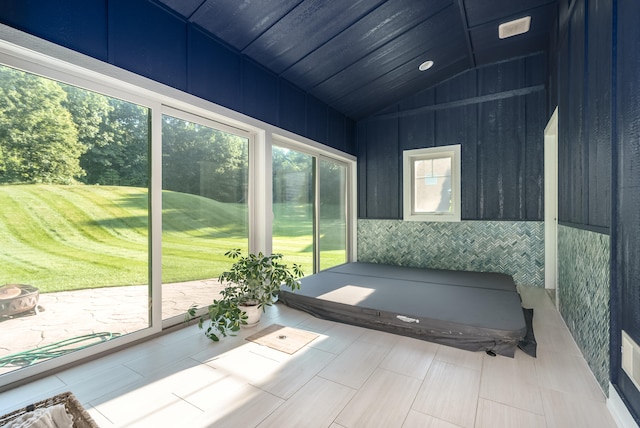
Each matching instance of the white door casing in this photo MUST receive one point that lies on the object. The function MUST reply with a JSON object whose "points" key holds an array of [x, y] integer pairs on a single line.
{"points": [[551, 202]]}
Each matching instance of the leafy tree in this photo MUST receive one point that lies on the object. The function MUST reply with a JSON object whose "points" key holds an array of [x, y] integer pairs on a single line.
{"points": [[88, 110], [119, 156], [332, 184], [291, 165], [38, 138], [203, 161], [132, 134], [115, 134]]}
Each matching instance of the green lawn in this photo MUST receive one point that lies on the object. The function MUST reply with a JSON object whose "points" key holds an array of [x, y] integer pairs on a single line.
{"points": [[72, 237]]}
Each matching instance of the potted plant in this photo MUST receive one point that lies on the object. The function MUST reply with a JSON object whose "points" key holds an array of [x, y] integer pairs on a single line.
{"points": [[251, 284]]}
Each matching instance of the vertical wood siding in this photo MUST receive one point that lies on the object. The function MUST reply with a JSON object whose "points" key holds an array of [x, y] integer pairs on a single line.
{"points": [[502, 141], [626, 296], [584, 83]]}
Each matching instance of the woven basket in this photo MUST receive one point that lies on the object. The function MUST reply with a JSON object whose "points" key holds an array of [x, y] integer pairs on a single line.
{"points": [[81, 418]]}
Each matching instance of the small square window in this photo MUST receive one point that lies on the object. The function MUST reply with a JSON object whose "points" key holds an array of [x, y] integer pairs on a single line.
{"points": [[432, 184]]}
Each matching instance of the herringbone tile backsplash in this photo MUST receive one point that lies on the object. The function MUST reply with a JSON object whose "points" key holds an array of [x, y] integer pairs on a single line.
{"points": [[512, 247], [584, 292]]}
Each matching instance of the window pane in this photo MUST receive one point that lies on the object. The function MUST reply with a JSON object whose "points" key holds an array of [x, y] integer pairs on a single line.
{"points": [[442, 167], [333, 214], [204, 210], [73, 217], [432, 185], [293, 207], [424, 168]]}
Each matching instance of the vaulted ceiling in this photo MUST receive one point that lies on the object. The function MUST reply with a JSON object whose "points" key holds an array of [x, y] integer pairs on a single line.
{"points": [[360, 56]]}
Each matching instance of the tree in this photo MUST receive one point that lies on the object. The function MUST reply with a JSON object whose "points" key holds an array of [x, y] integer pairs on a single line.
{"points": [[132, 135], [119, 153], [203, 161], [115, 135], [88, 110], [292, 176], [38, 138]]}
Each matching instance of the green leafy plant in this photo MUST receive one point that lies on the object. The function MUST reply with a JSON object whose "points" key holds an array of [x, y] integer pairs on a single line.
{"points": [[253, 280]]}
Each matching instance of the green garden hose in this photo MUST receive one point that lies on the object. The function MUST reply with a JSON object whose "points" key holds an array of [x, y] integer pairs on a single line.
{"points": [[32, 356]]}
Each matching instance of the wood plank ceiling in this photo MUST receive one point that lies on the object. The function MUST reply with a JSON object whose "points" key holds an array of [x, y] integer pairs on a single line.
{"points": [[360, 56]]}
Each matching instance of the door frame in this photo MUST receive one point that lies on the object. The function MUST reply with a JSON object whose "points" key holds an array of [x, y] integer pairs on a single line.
{"points": [[551, 203]]}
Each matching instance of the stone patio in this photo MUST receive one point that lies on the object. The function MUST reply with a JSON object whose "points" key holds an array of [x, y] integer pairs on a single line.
{"points": [[70, 314]]}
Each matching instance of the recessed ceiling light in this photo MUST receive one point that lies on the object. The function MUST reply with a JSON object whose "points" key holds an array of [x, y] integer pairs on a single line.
{"points": [[515, 27], [425, 65]]}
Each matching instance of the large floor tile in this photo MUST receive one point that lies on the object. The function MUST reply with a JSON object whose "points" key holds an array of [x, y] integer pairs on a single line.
{"points": [[354, 366], [186, 379], [98, 367], [283, 315], [498, 415], [315, 405], [420, 420], [246, 365], [229, 401], [384, 400], [410, 357], [377, 337], [449, 392], [217, 349], [460, 357], [145, 405], [512, 381], [570, 410], [174, 352], [551, 337], [172, 413], [97, 384], [295, 372], [316, 325], [337, 338], [569, 373]]}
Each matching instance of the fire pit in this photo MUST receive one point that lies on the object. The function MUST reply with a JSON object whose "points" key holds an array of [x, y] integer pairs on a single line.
{"points": [[18, 298]]}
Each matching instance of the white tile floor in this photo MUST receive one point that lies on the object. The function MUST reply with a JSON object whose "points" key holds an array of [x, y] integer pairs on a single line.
{"points": [[347, 377]]}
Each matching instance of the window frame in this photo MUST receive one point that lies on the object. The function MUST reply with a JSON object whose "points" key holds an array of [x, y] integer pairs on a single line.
{"points": [[350, 199], [409, 157], [37, 56]]}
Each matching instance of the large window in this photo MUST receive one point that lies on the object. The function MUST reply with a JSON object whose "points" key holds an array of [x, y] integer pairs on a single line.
{"points": [[74, 199], [309, 206], [294, 207], [118, 202], [432, 184], [205, 174], [332, 219]]}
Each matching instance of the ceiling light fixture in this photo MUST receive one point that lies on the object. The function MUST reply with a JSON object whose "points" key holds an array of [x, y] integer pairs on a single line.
{"points": [[515, 27], [425, 65]]}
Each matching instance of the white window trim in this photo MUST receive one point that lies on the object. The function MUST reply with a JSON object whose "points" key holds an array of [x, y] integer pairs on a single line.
{"points": [[329, 153], [408, 159]]}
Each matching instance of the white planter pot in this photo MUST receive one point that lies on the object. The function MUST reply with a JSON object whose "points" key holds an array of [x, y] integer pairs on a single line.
{"points": [[253, 314]]}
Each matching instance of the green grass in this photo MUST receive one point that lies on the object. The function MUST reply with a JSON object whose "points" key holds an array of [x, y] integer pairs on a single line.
{"points": [[72, 237], [293, 236]]}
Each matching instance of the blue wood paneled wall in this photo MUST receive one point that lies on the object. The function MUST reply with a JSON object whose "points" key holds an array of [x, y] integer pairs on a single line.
{"points": [[625, 295], [582, 60], [149, 40], [595, 63], [497, 113]]}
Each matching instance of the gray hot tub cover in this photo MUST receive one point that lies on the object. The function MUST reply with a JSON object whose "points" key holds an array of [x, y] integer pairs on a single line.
{"points": [[468, 310]]}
